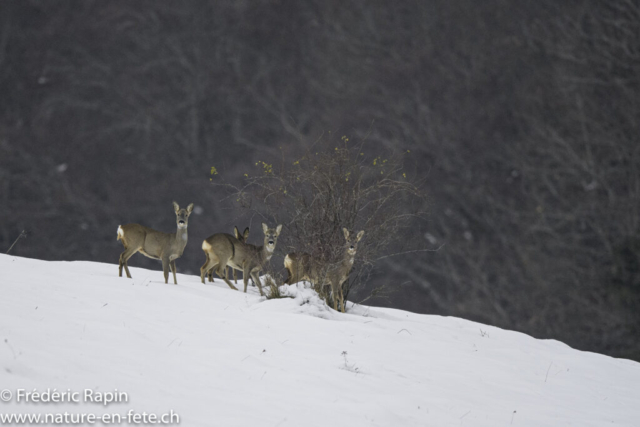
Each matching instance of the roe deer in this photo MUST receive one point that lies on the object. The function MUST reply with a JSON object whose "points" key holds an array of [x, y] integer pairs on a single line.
{"points": [[166, 247], [223, 249], [304, 267], [241, 238]]}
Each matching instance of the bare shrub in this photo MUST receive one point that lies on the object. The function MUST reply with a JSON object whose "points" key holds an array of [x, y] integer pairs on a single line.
{"points": [[331, 186]]}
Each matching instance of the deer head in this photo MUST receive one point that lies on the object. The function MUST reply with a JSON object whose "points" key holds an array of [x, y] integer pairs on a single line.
{"points": [[352, 243], [271, 236], [182, 215]]}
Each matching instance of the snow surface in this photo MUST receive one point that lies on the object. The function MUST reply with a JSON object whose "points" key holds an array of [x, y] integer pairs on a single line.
{"points": [[219, 357]]}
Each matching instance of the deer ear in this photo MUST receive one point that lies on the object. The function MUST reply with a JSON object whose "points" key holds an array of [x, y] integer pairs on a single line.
{"points": [[359, 236], [346, 233], [246, 233], [278, 229], [264, 228], [189, 209], [176, 207], [236, 232]]}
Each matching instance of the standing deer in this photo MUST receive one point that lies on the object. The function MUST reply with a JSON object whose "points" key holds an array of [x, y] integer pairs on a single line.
{"points": [[223, 249], [241, 238], [304, 267], [166, 247]]}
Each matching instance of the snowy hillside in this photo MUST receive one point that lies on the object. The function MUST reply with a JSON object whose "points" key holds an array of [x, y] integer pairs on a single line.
{"points": [[218, 357]]}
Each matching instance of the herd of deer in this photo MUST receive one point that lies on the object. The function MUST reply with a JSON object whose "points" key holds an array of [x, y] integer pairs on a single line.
{"points": [[223, 250]]}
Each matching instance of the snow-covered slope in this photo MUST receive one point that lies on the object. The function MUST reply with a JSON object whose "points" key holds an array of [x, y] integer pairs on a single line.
{"points": [[219, 357]]}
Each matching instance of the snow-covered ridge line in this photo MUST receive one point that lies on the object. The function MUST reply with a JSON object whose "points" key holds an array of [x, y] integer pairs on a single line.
{"points": [[221, 357]]}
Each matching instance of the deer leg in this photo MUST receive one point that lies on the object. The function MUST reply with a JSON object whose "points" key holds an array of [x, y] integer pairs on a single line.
{"points": [[172, 264], [245, 276], [124, 257], [254, 276], [340, 294], [221, 271], [334, 291], [207, 270], [165, 269], [213, 265], [235, 276], [126, 269], [205, 267]]}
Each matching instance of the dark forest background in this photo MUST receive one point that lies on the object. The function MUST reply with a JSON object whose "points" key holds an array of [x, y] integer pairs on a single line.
{"points": [[522, 117]]}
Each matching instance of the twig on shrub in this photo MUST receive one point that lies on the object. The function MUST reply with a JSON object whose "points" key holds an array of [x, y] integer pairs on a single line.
{"points": [[23, 233]]}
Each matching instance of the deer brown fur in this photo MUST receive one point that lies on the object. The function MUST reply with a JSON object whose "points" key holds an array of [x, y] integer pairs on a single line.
{"points": [[166, 247], [304, 267], [241, 238], [224, 249]]}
